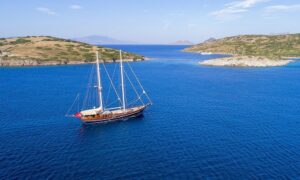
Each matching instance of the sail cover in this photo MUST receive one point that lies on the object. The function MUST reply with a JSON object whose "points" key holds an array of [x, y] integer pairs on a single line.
{"points": [[91, 111]]}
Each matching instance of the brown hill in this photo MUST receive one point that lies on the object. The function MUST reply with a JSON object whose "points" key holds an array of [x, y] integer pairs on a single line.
{"points": [[270, 46], [46, 50]]}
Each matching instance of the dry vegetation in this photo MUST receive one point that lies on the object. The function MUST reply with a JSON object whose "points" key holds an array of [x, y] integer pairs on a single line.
{"points": [[37, 50], [271, 47]]}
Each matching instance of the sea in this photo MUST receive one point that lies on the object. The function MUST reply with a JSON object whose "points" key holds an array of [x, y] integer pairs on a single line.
{"points": [[205, 122]]}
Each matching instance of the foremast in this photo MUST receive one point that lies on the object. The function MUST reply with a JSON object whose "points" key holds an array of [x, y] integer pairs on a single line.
{"points": [[99, 85], [122, 81]]}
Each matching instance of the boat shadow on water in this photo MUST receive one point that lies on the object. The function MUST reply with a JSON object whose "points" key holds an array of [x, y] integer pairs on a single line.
{"points": [[91, 128]]}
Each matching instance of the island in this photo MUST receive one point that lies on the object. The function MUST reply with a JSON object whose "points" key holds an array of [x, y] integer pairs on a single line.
{"points": [[251, 50], [47, 50]]}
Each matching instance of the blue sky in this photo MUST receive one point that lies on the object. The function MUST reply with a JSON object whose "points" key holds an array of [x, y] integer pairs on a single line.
{"points": [[148, 21]]}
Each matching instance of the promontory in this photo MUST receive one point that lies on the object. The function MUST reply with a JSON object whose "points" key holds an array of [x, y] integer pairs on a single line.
{"points": [[251, 50], [47, 50]]}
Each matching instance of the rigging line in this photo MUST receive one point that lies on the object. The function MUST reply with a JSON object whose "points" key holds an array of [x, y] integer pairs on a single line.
{"points": [[139, 83], [92, 100], [136, 100], [109, 88], [112, 103], [85, 101], [112, 78], [111, 82], [78, 102], [108, 93], [114, 73], [132, 102], [111, 85], [139, 98], [88, 94], [67, 113]]}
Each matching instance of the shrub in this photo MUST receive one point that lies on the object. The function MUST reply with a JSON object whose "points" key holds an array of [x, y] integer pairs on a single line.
{"points": [[88, 57], [62, 54], [70, 45], [5, 57], [84, 50], [20, 41], [47, 40], [47, 49]]}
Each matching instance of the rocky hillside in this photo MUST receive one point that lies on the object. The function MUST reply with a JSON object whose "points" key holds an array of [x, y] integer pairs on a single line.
{"points": [[46, 50], [269, 46]]}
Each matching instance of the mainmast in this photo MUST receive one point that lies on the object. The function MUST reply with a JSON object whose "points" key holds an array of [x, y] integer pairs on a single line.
{"points": [[99, 86], [122, 81]]}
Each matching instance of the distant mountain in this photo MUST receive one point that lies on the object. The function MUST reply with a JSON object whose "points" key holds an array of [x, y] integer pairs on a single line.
{"points": [[96, 39], [182, 42], [210, 40]]}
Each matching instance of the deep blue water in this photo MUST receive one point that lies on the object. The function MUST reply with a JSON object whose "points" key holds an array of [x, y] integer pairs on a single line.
{"points": [[205, 122]]}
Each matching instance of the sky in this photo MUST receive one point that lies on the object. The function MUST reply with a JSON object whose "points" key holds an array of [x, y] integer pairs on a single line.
{"points": [[148, 21]]}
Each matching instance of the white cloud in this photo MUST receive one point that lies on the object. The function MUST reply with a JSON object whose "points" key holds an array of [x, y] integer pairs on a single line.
{"points": [[236, 8], [75, 7], [46, 10], [283, 8]]}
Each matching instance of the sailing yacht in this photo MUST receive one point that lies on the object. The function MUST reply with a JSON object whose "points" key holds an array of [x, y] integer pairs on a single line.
{"points": [[100, 113]]}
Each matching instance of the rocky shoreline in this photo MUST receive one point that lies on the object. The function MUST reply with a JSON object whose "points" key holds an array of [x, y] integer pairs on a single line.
{"points": [[245, 61], [28, 62]]}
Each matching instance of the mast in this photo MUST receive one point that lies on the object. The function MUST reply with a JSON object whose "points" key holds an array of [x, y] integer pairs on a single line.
{"points": [[99, 86], [122, 81]]}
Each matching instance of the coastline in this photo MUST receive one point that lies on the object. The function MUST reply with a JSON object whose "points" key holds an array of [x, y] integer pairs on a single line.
{"points": [[48, 50], [245, 61], [32, 63]]}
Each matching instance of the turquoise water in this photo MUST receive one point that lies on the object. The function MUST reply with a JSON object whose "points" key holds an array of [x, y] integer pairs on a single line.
{"points": [[205, 122]]}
